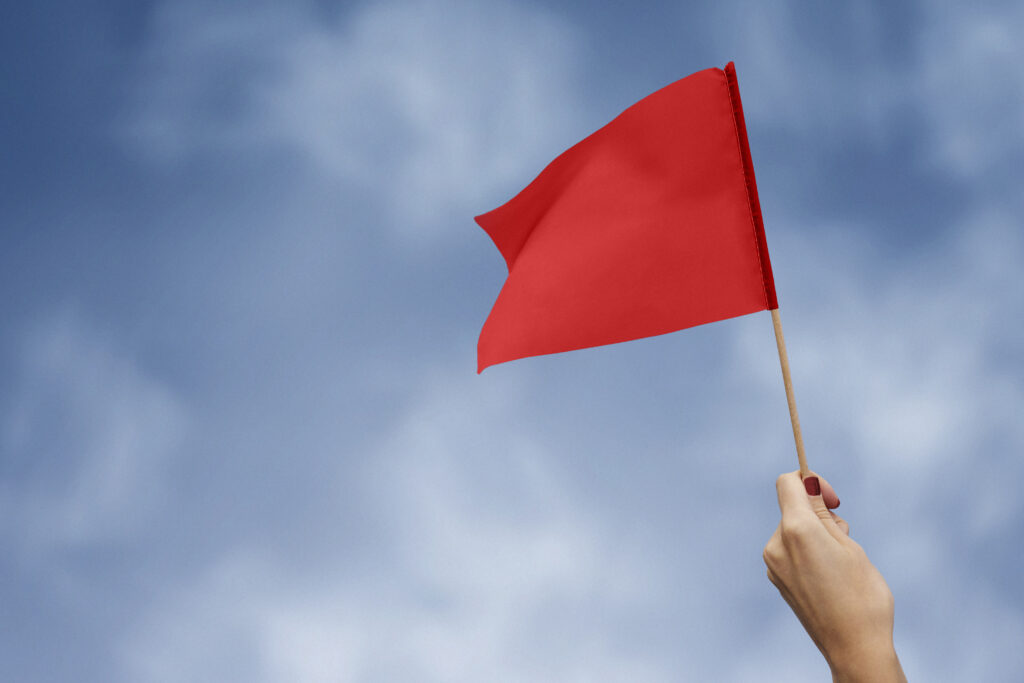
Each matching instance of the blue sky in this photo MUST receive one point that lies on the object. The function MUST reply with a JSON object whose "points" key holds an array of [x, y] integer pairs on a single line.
{"points": [[241, 433]]}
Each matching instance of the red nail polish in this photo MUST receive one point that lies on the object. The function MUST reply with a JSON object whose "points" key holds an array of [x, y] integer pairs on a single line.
{"points": [[812, 486]]}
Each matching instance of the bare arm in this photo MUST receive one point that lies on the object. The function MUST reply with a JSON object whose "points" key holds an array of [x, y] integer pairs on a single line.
{"points": [[826, 578]]}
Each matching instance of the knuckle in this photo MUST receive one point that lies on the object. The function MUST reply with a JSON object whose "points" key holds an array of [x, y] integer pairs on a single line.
{"points": [[794, 527]]}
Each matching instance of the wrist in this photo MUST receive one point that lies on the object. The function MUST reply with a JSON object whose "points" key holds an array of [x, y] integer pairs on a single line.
{"points": [[875, 664]]}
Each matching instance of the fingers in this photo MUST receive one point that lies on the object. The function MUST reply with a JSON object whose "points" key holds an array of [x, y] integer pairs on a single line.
{"points": [[774, 552], [791, 493], [793, 499], [841, 523], [812, 485], [799, 502], [827, 492], [780, 584]]}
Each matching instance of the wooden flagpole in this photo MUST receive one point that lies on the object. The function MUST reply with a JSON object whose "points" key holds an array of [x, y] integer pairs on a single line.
{"points": [[793, 417]]}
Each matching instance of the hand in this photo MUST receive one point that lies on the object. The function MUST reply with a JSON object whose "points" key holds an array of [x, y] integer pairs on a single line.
{"points": [[840, 598]]}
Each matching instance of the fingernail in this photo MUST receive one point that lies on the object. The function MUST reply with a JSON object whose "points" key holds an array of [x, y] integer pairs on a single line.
{"points": [[812, 486]]}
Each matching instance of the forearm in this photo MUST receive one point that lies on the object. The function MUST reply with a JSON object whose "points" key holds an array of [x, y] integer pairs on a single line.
{"points": [[879, 665], [841, 599]]}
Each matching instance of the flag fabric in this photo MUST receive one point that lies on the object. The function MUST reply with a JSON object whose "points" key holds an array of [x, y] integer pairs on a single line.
{"points": [[650, 225]]}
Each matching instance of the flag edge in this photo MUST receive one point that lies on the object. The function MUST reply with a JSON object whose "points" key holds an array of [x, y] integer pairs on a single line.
{"points": [[767, 276]]}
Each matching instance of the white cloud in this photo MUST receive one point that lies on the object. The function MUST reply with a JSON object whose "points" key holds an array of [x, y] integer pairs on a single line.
{"points": [[908, 362], [496, 571], [87, 433], [426, 107], [898, 368], [911, 406]]}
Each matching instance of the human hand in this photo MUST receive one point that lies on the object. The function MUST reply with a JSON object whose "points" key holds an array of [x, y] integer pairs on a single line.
{"points": [[826, 578]]}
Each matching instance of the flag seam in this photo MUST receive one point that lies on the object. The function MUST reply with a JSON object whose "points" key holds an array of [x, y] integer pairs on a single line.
{"points": [[736, 113]]}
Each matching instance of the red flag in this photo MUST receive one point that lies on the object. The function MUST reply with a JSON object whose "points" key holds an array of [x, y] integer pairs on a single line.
{"points": [[650, 225]]}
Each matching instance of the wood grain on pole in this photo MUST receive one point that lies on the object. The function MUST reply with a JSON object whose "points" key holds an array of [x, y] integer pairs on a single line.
{"points": [[793, 417]]}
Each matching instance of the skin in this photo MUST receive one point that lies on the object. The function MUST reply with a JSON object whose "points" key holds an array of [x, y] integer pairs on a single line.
{"points": [[826, 578]]}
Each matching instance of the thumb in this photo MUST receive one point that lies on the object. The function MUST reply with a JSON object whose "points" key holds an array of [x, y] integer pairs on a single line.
{"points": [[813, 487]]}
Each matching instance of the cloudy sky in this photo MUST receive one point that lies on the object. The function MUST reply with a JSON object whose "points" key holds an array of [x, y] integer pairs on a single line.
{"points": [[241, 433]]}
